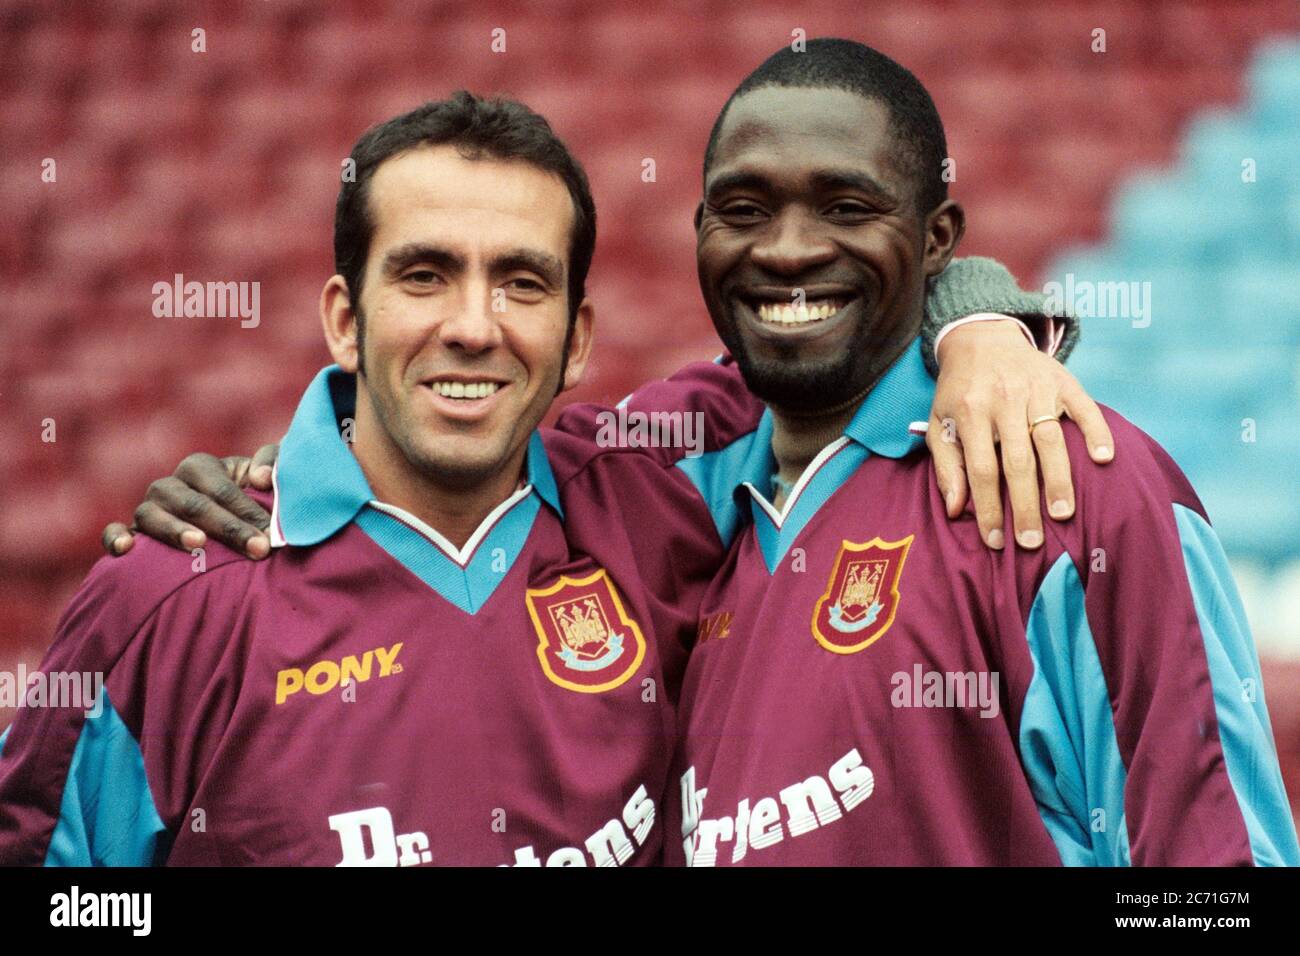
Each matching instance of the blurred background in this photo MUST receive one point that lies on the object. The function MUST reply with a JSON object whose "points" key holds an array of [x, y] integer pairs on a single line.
{"points": [[1161, 153]]}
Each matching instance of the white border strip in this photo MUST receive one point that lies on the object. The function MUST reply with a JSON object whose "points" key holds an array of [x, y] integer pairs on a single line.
{"points": [[814, 466], [463, 555]]}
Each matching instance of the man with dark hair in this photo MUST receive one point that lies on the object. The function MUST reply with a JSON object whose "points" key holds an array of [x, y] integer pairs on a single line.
{"points": [[501, 129], [429, 666], [873, 687], [834, 64], [468, 641], [781, 376]]}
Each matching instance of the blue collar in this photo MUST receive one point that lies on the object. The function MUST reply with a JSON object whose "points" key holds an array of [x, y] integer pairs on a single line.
{"points": [[880, 426], [320, 486], [903, 395]]}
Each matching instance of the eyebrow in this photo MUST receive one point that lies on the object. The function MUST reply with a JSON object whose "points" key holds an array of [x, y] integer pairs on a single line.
{"points": [[550, 268], [826, 180], [823, 180], [545, 265], [412, 252], [727, 182]]}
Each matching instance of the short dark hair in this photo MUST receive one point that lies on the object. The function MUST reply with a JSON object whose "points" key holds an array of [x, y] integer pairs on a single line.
{"points": [[831, 63], [500, 128]]}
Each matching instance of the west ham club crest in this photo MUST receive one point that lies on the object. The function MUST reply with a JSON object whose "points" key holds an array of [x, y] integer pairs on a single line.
{"points": [[862, 596], [585, 640]]}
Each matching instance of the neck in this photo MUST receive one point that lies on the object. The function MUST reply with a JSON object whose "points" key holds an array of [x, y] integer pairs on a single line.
{"points": [[453, 511], [797, 437]]}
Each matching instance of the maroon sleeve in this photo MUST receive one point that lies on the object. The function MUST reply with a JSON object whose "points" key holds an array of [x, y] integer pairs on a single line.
{"points": [[1197, 768], [109, 638], [713, 390]]}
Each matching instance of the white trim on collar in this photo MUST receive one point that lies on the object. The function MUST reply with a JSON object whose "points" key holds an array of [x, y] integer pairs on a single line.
{"points": [[277, 535], [463, 555], [814, 466]]}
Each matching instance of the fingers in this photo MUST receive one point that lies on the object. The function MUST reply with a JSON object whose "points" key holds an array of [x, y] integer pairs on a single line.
{"points": [[182, 516], [202, 498], [984, 476], [157, 516], [1085, 413], [1053, 458], [209, 477], [237, 469], [261, 465], [949, 465], [117, 539], [1021, 469]]}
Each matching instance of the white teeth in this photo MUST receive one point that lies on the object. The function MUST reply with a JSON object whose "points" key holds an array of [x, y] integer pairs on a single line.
{"points": [[465, 389], [790, 315]]}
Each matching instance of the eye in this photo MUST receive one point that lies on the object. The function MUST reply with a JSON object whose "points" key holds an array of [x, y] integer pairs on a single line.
{"points": [[526, 289], [849, 208], [421, 276], [741, 211]]}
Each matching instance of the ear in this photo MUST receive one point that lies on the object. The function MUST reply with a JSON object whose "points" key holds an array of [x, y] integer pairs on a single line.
{"points": [[340, 323], [944, 227], [579, 345]]}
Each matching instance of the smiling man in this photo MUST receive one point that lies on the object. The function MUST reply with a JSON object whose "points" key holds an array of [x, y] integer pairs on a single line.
{"points": [[428, 668], [467, 643], [873, 686], [443, 433]]}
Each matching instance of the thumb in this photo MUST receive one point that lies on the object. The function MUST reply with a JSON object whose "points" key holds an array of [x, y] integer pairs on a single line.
{"points": [[260, 469]]}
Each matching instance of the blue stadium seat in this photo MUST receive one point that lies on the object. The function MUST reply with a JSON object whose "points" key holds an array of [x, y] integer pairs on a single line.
{"points": [[1275, 84], [1215, 375]]}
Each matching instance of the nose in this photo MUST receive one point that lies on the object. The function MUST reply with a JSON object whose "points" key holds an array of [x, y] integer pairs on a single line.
{"points": [[792, 243], [472, 327]]}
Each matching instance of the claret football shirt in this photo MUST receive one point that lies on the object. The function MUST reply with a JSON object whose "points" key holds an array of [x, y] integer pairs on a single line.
{"points": [[370, 694], [873, 686]]}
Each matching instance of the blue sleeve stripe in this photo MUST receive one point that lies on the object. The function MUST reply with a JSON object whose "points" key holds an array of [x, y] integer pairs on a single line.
{"points": [[1244, 730], [1067, 733], [107, 817]]}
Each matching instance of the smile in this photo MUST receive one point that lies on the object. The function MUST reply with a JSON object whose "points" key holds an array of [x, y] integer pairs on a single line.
{"points": [[466, 391], [812, 310]]}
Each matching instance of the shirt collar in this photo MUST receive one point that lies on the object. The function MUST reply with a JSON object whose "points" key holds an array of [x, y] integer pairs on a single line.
{"points": [[902, 398], [882, 424], [319, 485]]}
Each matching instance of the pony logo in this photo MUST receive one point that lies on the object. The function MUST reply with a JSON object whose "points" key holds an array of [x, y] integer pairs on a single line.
{"points": [[862, 596], [585, 639]]}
